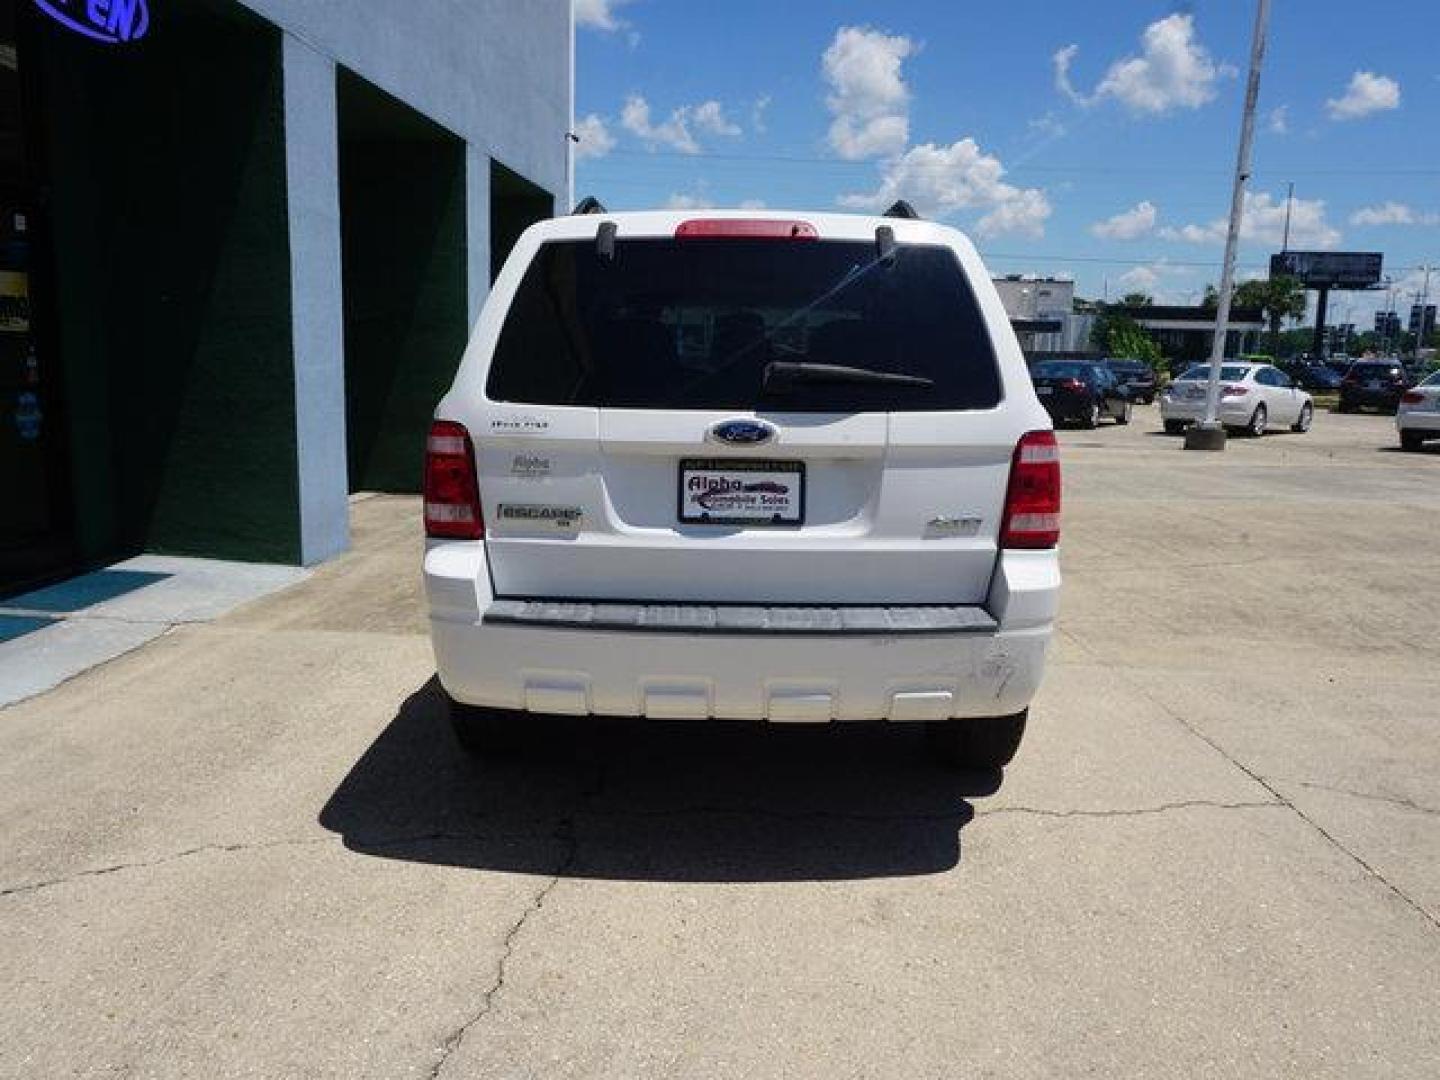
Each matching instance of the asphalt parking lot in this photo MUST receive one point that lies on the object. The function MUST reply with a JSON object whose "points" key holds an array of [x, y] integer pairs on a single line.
{"points": [[250, 849]]}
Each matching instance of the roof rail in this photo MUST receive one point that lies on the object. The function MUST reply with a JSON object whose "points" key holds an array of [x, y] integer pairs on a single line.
{"points": [[589, 205], [902, 209]]}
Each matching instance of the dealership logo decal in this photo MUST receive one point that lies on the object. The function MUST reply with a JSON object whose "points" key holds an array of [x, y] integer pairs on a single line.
{"points": [[111, 21], [718, 492]]}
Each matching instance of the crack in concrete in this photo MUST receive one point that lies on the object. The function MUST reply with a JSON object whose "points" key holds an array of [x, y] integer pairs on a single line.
{"points": [[447, 1049], [565, 832], [1393, 800], [1254, 775], [143, 864]]}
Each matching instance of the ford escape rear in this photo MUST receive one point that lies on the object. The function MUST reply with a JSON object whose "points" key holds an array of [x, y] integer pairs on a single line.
{"points": [[748, 466]]}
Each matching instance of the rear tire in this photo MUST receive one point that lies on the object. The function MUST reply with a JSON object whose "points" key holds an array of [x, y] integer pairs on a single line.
{"points": [[483, 732], [1307, 417], [1092, 418], [1411, 440], [1174, 427], [1124, 417], [987, 743], [1259, 420]]}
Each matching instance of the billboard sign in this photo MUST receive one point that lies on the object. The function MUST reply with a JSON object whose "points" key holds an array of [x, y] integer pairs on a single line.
{"points": [[114, 22], [1329, 269]]}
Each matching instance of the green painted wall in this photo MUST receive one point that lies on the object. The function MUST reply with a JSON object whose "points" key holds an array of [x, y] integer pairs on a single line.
{"points": [[166, 160], [403, 237]]}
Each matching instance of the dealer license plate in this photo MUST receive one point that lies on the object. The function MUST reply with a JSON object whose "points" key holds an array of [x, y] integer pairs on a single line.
{"points": [[725, 492]]}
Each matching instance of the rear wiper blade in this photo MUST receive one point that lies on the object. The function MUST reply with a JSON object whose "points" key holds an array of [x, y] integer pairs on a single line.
{"points": [[782, 375]]}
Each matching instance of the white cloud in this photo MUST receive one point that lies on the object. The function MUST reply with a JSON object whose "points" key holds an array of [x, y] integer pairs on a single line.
{"points": [[1172, 71], [1277, 120], [940, 180], [1393, 213], [1140, 279], [698, 200], [757, 114], [595, 138], [598, 14], [707, 117], [869, 99], [1046, 127], [1131, 224], [1367, 93], [1264, 223], [1165, 282]]}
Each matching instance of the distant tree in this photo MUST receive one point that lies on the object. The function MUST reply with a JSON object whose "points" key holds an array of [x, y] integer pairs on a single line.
{"points": [[1137, 299], [1278, 298], [1128, 342]]}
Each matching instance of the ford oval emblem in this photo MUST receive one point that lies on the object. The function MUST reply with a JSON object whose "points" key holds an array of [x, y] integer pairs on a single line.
{"points": [[743, 432], [110, 21]]}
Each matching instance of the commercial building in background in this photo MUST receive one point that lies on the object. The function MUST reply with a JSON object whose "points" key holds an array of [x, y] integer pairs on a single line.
{"points": [[241, 246], [1042, 310], [1185, 333]]}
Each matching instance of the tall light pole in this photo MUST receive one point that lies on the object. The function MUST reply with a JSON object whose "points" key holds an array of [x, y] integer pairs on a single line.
{"points": [[1208, 434]]}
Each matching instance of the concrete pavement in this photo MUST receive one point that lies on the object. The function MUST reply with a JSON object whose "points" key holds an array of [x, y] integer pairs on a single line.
{"points": [[250, 849]]}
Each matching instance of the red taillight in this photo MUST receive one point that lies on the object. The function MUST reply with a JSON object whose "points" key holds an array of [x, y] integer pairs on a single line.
{"points": [[452, 496], [744, 229], [1350, 380], [1073, 385], [1233, 391], [1412, 397], [1032, 502]]}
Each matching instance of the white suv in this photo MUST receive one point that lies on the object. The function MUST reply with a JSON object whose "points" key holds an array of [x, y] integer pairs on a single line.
{"points": [[758, 466]]}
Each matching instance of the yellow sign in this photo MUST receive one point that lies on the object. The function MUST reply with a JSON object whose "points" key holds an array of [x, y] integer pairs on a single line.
{"points": [[14, 302]]}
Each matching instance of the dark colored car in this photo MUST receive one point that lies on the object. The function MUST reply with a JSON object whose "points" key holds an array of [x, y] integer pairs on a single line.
{"points": [[1137, 377], [1311, 375], [1076, 392], [1374, 384]]}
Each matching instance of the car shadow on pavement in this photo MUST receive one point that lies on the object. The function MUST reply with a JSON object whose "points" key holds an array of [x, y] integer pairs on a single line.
{"points": [[634, 800]]}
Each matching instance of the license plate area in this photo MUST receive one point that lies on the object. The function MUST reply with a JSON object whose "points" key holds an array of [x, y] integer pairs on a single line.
{"points": [[720, 491]]}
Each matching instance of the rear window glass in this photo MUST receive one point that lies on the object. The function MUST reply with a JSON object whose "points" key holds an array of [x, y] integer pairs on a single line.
{"points": [[1053, 370], [1201, 373], [1374, 371], [694, 324]]}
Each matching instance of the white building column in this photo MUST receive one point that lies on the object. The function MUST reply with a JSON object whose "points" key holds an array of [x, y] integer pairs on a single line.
{"points": [[312, 167]]}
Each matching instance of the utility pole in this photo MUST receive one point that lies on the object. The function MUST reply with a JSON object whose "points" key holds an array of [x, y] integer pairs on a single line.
{"points": [[1208, 434], [1289, 202]]}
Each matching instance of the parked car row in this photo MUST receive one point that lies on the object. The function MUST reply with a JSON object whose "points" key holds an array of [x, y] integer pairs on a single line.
{"points": [[1254, 397], [1080, 392]]}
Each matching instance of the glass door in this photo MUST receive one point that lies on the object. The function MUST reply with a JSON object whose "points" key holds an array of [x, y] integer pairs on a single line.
{"points": [[34, 537]]}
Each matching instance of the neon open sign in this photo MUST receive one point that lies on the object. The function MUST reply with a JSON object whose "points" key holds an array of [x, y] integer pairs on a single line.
{"points": [[110, 21]]}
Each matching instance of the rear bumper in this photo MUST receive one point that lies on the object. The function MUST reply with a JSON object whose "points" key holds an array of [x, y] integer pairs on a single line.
{"points": [[1418, 420], [990, 668], [1233, 412], [1371, 399]]}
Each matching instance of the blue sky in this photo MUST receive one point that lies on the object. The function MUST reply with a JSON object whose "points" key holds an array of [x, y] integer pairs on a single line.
{"points": [[1094, 140]]}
